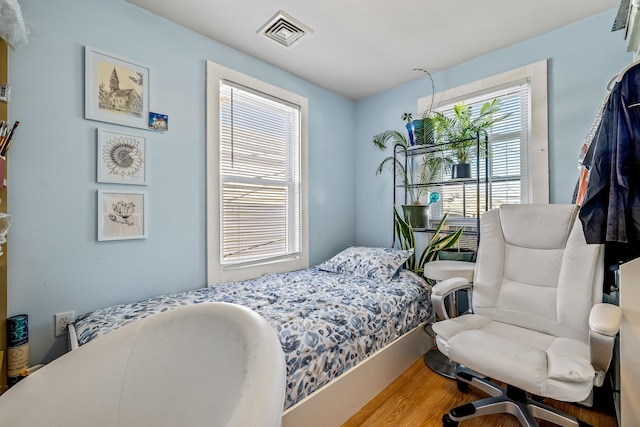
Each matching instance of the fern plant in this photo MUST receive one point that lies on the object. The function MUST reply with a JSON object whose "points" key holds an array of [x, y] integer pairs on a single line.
{"points": [[419, 171], [462, 128]]}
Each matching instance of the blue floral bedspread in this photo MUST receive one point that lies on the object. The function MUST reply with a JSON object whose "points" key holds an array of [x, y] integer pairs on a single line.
{"points": [[327, 322]]}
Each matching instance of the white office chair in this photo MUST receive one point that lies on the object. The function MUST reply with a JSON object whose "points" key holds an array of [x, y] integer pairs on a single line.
{"points": [[537, 322]]}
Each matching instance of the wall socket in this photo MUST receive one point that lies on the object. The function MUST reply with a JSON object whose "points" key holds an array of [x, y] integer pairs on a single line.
{"points": [[61, 320]]}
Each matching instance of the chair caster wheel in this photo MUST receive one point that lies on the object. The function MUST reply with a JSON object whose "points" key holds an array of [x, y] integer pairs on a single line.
{"points": [[448, 422], [462, 386]]}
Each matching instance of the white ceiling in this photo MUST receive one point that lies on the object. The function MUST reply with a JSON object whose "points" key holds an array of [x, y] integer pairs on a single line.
{"points": [[361, 47]]}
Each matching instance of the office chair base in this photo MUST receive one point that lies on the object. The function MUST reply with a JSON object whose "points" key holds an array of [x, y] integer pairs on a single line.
{"points": [[441, 364], [512, 401]]}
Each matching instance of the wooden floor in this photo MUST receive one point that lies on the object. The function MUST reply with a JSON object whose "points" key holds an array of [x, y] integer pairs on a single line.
{"points": [[419, 397]]}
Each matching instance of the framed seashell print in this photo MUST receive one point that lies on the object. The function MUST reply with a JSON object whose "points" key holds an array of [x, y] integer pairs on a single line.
{"points": [[122, 215], [122, 158]]}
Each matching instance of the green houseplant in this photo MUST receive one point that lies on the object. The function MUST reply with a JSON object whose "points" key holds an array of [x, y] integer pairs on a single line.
{"points": [[437, 242], [420, 170], [461, 130]]}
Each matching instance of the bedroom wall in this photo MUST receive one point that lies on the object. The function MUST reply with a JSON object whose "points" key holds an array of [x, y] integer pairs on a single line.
{"points": [[583, 57], [55, 262]]}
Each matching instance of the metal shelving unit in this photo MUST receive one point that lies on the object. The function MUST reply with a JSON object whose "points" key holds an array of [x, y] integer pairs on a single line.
{"points": [[405, 155]]}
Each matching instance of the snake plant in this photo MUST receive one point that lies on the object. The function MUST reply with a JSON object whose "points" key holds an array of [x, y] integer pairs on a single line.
{"points": [[438, 242]]}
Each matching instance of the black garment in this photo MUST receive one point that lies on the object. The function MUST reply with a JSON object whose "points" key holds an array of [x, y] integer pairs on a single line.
{"points": [[611, 208]]}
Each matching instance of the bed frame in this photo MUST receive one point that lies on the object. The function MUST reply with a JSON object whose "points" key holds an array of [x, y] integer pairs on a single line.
{"points": [[348, 393], [336, 402]]}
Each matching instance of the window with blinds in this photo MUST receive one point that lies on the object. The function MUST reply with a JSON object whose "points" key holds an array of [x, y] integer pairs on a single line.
{"points": [[508, 160], [260, 194]]}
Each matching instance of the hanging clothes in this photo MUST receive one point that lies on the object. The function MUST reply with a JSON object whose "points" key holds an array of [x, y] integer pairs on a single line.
{"points": [[584, 156], [611, 207]]}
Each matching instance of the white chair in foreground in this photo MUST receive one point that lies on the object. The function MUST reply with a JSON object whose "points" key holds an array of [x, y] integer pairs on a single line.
{"points": [[537, 323], [211, 364]]}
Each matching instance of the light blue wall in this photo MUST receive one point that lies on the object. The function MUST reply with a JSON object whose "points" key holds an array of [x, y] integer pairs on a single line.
{"points": [[55, 263], [582, 58]]}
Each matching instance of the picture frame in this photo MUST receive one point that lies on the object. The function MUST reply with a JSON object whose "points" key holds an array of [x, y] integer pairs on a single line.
{"points": [[121, 158], [122, 215], [116, 89]]}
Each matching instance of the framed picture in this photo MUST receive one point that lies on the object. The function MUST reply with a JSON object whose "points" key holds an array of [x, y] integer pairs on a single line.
{"points": [[122, 215], [122, 158], [116, 89]]}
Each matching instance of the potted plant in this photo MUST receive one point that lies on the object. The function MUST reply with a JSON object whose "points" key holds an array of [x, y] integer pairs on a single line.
{"points": [[437, 242], [457, 254], [420, 170], [461, 131], [421, 131]]}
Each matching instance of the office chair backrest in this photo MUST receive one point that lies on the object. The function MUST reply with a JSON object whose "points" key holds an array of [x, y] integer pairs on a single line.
{"points": [[535, 270]]}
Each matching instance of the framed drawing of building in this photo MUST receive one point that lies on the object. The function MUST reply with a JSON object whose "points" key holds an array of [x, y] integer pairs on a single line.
{"points": [[116, 89]]}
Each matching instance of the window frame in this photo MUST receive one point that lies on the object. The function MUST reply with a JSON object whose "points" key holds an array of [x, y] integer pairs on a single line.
{"points": [[536, 74], [217, 273]]}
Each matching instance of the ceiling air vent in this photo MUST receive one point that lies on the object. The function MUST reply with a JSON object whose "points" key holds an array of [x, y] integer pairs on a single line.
{"points": [[284, 29]]}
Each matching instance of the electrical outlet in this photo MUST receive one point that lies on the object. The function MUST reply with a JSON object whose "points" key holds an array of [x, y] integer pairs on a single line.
{"points": [[61, 320]]}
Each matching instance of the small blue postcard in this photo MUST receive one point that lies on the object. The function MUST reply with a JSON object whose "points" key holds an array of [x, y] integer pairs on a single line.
{"points": [[158, 121]]}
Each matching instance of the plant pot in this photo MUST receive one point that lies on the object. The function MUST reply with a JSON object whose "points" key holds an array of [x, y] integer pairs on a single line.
{"points": [[423, 132], [457, 255], [416, 215], [461, 170], [411, 128]]}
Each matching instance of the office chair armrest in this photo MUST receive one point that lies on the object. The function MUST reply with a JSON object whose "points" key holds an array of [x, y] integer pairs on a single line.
{"points": [[604, 324], [443, 289], [605, 319]]}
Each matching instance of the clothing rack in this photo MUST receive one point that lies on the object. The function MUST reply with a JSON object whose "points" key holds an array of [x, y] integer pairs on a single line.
{"points": [[610, 215]]}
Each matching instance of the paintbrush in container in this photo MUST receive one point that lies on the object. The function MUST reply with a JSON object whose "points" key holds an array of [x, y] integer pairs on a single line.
{"points": [[7, 141]]}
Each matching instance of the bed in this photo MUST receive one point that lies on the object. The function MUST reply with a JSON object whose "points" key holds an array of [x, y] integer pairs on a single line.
{"points": [[329, 319]]}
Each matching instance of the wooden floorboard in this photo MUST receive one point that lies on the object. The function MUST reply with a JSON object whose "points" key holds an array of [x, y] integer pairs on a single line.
{"points": [[419, 397]]}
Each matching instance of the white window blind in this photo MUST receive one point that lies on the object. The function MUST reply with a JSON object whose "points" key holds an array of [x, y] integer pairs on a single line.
{"points": [[260, 199], [508, 161]]}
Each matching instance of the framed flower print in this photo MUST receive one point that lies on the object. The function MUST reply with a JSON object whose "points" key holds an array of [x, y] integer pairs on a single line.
{"points": [[122, 215]]}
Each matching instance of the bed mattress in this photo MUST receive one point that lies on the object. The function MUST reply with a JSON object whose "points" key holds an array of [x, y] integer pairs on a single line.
{"points": [[327, 322]]}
